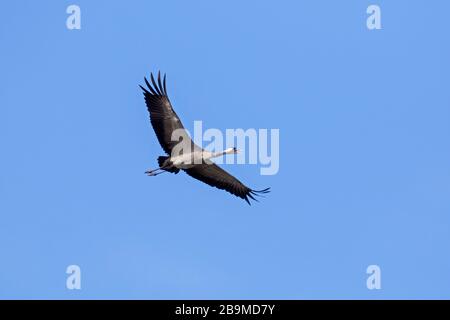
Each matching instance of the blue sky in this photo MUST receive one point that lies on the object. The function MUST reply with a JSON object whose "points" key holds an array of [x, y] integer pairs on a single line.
{"points": [[364, 150]]}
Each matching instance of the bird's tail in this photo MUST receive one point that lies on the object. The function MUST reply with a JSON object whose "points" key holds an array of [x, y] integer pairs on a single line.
{"points": [[162, 163], [161, 160]]}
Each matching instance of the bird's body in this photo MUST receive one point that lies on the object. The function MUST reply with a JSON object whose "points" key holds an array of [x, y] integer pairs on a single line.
{"points": [[182, 152], [189, 160]]}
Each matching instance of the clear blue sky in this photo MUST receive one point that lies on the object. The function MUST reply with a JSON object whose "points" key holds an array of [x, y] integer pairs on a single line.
{"points": [[364, 119]]}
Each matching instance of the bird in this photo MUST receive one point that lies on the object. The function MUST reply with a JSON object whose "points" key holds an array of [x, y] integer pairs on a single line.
{"points": [[181, 152]]}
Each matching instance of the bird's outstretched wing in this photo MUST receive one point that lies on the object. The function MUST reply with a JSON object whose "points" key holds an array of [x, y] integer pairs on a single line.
{"points": [[215, 176], [163, 118]]}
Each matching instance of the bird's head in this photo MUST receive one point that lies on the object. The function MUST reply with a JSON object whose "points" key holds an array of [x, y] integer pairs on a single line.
{"points": [[231, 151]]}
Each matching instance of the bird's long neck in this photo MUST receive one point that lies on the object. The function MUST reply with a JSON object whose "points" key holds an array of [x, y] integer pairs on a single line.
{"points": [[218, 154]]}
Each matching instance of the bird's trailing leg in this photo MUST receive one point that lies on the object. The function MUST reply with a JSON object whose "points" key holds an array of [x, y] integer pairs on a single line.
{"points": [[152, 172], [155, 174]]}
